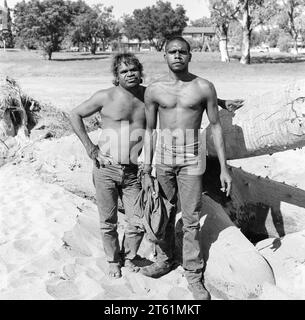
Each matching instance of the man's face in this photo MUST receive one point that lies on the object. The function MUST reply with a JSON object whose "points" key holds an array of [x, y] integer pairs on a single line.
{"points": [[129, 75], [177, 56]]}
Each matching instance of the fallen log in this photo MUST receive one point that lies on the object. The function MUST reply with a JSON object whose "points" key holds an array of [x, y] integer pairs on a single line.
{"points": [[266, 124], [261, 207]]}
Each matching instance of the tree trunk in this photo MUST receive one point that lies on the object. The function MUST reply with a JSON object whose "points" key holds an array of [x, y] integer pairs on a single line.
{"points": [[246, 23], [261, 207], [93, 48], [295, 43], [223, 43], [93, 45], [265, 124], [103, 45]]}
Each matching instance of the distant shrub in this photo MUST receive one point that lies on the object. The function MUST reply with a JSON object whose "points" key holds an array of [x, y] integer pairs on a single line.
{"points": [[214, 45], [284, 43], [196, 45]]}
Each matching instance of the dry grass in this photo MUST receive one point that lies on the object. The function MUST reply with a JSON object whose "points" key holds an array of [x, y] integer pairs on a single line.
{"points": [[73, 77]]}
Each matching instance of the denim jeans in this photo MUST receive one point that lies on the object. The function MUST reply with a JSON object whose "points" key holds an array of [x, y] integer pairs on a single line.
{"points": [[111, 182], [185, 179]]}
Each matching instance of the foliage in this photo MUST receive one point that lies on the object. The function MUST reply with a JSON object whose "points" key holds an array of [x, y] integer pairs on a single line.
{"points": [[196, 45], [292, 19], [214, 45], [235, 34], [156, 23], [222, 13], [94, 25], [42, 23], [8, 35], [202, 22], [284, 42], [252, 14], [270, 36]]}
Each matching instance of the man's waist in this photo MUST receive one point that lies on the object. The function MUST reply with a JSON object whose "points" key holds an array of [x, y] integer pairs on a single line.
{"points": [[186, 148]]}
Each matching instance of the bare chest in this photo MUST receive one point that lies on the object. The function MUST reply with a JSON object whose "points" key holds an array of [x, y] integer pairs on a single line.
{"points": [[131, 110], [186, 97]]}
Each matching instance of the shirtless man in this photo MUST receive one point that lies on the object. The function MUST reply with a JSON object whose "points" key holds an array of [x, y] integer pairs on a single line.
{"points": [[115, 170], [115, 157], [180, 98]]}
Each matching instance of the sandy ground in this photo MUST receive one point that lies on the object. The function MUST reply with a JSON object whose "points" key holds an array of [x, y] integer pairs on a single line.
{"points": [[50, 245], [50, 248]]}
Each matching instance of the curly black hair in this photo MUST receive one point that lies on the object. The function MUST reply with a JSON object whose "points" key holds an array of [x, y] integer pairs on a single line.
{"points": [[178, 38], [127, 58]]}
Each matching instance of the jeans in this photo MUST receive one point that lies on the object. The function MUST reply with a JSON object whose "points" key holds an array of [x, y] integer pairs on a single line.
{"points": [[185, 179], [111, 182]]}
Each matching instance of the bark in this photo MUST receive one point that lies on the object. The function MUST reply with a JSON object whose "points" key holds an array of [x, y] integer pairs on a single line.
{"points": [[265, 124], [295, 43], [246, 27], [223, 43], [260, 207]]}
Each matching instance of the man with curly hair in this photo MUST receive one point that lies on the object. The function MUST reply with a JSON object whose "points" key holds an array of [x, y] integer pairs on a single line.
{"points": [[115, 171]]}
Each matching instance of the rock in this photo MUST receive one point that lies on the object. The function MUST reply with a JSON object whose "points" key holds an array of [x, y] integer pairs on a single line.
{"points": [[235, 269]]}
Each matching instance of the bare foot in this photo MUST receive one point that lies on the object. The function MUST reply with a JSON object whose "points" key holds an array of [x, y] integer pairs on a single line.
{"points": [[114, 270], [131, 266]]}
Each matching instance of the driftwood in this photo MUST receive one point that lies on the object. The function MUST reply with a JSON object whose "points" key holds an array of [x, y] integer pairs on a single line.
{"points": [[260, 206], [265, 124]]}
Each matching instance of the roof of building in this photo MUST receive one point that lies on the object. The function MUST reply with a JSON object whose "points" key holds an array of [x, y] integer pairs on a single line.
{"points": [[190, 29]]}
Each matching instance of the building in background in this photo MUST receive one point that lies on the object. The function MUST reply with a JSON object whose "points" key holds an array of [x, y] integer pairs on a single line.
{"points": [[201, 34]]}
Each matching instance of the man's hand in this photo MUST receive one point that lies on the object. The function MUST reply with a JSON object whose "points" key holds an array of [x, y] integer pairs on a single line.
{"points": [[232, 105], [226, 181], [147, 182], [93, 151], [99, 158]]}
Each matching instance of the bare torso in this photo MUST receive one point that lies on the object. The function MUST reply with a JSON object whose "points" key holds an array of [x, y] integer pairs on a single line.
{"points": [[180, 106], [123, 125]]}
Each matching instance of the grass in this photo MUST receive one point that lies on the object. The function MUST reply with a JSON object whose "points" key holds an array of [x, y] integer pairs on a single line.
{"points": [[71, 77]]}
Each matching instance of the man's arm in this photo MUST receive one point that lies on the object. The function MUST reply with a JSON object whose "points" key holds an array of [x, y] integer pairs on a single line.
{"points": [[151, 110], [86, 109], [216, 129], [230, 105]]}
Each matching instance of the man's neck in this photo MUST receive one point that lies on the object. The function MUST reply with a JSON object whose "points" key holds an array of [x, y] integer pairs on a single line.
{"points": [[180, 76], [136, 91]]}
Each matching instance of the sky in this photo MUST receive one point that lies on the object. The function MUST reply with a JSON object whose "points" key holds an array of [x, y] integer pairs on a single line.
{"points": [[195, 9]]}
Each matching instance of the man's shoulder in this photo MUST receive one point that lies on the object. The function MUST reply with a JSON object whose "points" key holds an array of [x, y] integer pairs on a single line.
{"points": [[203, 83], [157, 84], [104, 92]]}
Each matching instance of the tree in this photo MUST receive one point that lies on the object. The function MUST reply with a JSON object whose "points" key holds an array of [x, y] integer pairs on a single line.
{"points": [[6, 34], [42, 23], [202, 22], [94, 25], [292, 19], [223, 12], [253, 13], [156, 23], [235, 34]]}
